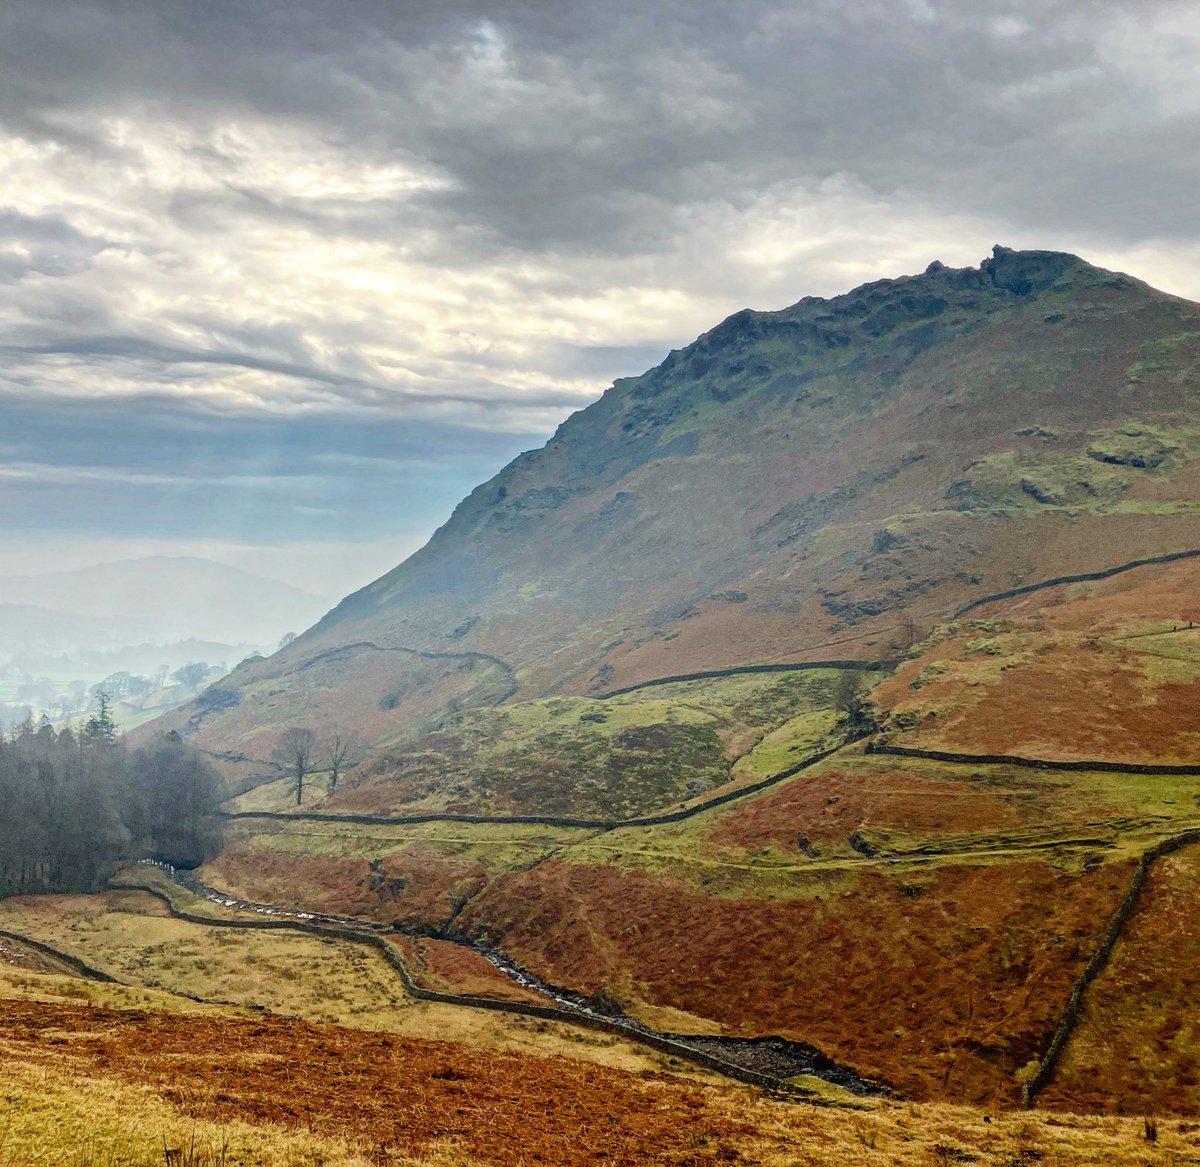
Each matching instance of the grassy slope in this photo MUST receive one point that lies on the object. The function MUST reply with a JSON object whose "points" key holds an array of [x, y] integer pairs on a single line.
{"points": [[1104, 671], [732, 916], [941, 975], [572, 756], [163, 961]]}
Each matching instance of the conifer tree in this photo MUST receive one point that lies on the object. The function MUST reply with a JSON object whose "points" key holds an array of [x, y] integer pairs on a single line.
{"points": [[100, 727]]}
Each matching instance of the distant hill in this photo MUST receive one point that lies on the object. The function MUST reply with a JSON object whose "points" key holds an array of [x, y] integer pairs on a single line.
{"points": [[826, 480], [163, 599], [27, 627]]}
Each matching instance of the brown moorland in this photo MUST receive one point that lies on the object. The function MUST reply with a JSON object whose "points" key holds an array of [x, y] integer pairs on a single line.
{"points": [[1136, 1046], [174, 964], [420, 885], [396, 1095], [815, 816], [1106, 671], [451, 967], [943, 984], [921, 922], [266, 1091]]}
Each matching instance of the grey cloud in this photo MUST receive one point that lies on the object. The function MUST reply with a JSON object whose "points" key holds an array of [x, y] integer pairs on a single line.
{"points": [[233, 478], [592, 184], [587, 132], [43, 245], [609, 360], [164, 361]]}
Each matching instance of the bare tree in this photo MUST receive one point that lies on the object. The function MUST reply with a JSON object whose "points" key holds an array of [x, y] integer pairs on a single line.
{"points": [[849, 699], [294, 755], [845, 693], [340, 746]]}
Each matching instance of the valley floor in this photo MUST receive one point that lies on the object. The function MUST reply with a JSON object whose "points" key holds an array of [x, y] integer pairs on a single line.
{"points": [[988, 901]]}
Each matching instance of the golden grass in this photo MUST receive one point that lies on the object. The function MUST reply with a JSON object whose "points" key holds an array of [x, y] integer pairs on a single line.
{"points": [[931, 1135], [497, 844], [283, 972], [18, 984], [279, 794], [286, 973], [148, 876], [53, 1115]]}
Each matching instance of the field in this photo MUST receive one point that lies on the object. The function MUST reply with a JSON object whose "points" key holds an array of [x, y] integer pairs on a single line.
{"points": [[1106, 671], [751, 916], [1137, 1031], [127, 935], [102, 1086], [920, 921]]}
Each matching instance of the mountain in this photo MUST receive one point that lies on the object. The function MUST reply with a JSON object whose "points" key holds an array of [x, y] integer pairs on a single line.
{"points": [[827, 480], [163, 599], [837, 681]]}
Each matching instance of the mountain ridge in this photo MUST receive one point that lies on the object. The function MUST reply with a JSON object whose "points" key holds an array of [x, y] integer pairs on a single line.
{"points": [[1002, 271], [839, 473]]}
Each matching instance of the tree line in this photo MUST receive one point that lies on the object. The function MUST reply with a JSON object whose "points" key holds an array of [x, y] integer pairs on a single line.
{"points": [[75, 805], [66, 699]]}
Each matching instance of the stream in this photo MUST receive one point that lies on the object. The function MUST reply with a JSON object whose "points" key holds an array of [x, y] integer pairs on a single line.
{"points": [[775, 1056]]}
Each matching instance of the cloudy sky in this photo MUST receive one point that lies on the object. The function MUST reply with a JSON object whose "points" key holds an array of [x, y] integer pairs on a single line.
{"points": [[281, 281]]}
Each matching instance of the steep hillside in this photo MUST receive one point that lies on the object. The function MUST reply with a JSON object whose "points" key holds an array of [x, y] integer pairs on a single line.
{"points": [[1105, 670], [827, 480]]}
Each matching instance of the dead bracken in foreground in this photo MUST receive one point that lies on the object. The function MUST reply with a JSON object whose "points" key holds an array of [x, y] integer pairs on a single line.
{"points": [[398, 1095], [283, 1093]]}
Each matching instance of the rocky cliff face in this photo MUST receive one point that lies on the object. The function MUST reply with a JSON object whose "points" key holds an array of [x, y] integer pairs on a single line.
{"points": [[821, 481]]}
